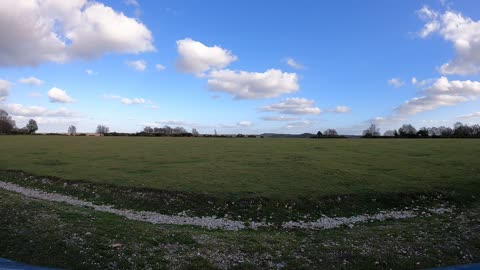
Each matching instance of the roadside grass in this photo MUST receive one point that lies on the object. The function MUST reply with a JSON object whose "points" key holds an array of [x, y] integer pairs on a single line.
{"points": [[57, 235], [233, 167]]}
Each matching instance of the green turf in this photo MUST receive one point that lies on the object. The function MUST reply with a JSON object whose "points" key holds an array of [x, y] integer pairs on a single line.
{"points": [[286, 168]]}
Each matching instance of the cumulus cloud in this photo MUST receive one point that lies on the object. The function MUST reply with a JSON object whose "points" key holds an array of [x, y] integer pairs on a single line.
{"points": [[341, 109], [31, 81], [253, 85], [396, 82], [35, 111], [139, 65], [293, 106], [293, 63], [57, 95], [4, 89], [440, 93], [160, 67], [279, 118], [197, 58], [462, 32], [471, 115], [38, 31]]}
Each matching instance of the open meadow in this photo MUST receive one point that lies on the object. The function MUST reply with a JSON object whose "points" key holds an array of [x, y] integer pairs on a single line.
{"points": [[280, 203]]}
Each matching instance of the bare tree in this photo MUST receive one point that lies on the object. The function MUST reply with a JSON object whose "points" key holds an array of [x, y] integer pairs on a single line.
{"points": [[195, 132], [372, 131], [389, 133], [6, 122], [148, 130], [72, 130], [32, 126], [101, 129]]}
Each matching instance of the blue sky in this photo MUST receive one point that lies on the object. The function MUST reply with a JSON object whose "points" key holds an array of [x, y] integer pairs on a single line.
{"points": [[235, 66]]}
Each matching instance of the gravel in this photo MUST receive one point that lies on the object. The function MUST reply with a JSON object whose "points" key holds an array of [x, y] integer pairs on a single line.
{"points": [[219, 223]]}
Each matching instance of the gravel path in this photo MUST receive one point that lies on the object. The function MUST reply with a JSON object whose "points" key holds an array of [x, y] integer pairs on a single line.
{"points": [[218, 223]]}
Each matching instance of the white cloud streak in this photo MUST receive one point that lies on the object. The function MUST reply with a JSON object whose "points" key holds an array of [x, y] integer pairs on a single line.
{"points": [[31, 81], [294, 105]]}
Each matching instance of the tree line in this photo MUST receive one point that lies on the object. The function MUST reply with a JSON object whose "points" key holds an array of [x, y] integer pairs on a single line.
{"points": [[8, 125], [459, 130]]}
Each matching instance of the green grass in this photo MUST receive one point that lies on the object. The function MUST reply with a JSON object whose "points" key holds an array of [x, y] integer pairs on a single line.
{"points": [[57, 235], [275, 168]]}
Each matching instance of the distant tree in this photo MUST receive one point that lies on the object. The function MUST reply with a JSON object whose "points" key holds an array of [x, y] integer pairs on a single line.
{"points": [[395, 133], [330, 132], [372, 131], [195, 132], [148, 130], [389, 133], [72, 130], [423, 132], [319, 134], [6, 123], [445, 131], [31, 126], [179, 131], [407, 130], [215, 132], [101, 129], [461, 130]]}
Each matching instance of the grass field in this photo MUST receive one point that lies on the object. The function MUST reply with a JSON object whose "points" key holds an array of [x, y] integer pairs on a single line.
{"points": [[271, 180], [283, 168]]}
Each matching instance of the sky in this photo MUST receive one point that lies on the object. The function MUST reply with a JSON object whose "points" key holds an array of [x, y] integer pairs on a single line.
{"points": [[240, 66]]}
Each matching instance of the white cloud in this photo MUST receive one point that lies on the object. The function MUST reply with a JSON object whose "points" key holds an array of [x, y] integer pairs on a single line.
{"points": [[160, 67], [341, 109], [4, 89], [132, 3], [421, 83], [245, 124], [154, 107], [31, 81], [59, 95], [130, 101], [440, 93], [472, 115], [139, 65], [35, 111], [293, 63], [396, 82], [293, 106], [279, 118], [38, 31], [253, 85], [300, 124], [194, 57], [428, 103], [91, 72], [443, 86], [463, 32]]}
